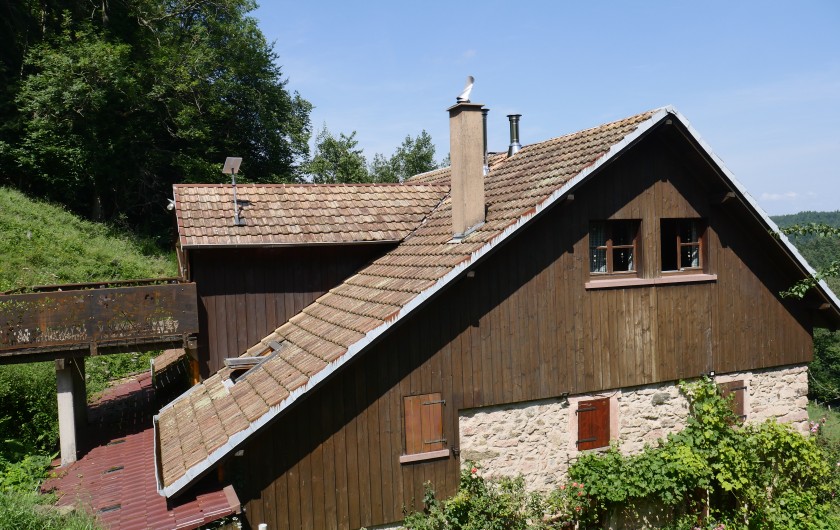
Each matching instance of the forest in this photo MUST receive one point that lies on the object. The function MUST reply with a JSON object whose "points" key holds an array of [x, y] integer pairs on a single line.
{"points": [[105, 105]]}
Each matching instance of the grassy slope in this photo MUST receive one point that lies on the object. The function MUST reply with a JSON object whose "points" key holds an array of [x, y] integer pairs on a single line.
{"points": [[42, 244]]}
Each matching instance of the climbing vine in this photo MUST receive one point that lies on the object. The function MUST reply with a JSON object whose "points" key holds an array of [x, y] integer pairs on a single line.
{"points": [[716, 472]]}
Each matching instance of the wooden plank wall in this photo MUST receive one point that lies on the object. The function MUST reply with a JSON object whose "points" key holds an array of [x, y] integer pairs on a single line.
{"points": [[245, 294], [525, 328]]}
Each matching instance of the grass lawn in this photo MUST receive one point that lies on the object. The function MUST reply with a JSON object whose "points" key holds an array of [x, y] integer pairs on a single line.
{"points": [[831, 429]]}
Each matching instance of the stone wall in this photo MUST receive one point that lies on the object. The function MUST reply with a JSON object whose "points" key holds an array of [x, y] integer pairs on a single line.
{"points": [[780, 393], [537, 438]]}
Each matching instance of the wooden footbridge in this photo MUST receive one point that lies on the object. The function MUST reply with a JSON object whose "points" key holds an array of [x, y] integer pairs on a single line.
{"points": [[67, 323]]}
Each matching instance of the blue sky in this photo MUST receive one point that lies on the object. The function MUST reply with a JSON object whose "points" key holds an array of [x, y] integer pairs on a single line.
{"points": [[760, 81]]}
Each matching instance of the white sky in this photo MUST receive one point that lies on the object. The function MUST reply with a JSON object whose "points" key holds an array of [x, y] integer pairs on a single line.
{"points": [[760, 81]]}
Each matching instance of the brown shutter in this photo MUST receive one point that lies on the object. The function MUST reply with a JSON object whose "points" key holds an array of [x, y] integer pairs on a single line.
{"points": [[736, 389], [424, 423], [432, 407], [593, 419], [413, 429]]}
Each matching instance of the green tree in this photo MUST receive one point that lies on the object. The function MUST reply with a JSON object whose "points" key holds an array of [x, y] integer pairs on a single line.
{"points": [[413, 156], [105, 109], [824, 370], [382, 169], [337, 160]]}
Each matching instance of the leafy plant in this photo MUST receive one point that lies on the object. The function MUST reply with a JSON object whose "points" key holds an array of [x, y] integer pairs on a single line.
{"points": [[28, 409], [24, 475], [500, 504], [718, 472], [103, 369]]}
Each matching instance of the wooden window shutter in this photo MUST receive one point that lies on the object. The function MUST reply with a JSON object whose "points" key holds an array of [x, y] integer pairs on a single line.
{"points": [[737, 390], [593, 418], [424, 423]]}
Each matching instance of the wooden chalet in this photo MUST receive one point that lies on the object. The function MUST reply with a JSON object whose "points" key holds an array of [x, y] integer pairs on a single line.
{"points": [[576, 282]]}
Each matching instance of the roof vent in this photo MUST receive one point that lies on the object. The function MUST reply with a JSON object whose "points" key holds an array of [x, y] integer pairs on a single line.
{"points": [[515, 146]]}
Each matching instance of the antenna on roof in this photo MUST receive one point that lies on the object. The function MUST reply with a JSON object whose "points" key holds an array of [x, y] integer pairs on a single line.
{"points": [[231, 167], [464, 97]]}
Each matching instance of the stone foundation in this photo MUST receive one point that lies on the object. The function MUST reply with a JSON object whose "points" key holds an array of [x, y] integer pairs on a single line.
{"points": [[537, 438]]}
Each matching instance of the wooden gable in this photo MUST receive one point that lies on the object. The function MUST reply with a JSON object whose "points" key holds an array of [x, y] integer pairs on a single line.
{"points": [[525, 326]]}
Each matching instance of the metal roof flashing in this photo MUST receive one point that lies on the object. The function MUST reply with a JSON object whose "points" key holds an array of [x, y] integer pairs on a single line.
{"points": [[197, 471]]}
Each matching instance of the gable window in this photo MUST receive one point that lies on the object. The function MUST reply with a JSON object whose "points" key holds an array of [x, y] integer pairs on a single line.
{"points": [[613, 247], [593, 424], [736, 389], [423, 428], [682, 244]]}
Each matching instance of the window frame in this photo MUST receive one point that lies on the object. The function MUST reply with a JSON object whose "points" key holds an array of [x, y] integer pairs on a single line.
{"points": [[423, 427], [678, 245], [609, 226]]}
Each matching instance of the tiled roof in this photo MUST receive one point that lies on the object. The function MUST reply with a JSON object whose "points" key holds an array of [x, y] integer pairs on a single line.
{"points": [[204, 424], [115, 479], [301, 214], [442, 175]]}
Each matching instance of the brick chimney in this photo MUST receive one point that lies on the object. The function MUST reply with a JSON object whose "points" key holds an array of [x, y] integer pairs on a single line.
{"points": [[466, 152]]}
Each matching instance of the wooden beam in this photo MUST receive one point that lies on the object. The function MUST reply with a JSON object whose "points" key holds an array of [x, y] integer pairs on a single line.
{"points": [[723, 198]]}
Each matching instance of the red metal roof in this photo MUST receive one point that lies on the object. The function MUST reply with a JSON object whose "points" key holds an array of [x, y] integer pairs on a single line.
{"points": [[115, 478]]}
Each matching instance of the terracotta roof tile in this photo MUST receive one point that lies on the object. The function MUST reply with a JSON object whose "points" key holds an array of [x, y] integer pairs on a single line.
{"points": [[323, 332], [301, 214]]}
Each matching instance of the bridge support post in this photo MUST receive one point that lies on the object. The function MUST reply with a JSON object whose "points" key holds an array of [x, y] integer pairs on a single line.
{"points": [[72, 404], [191, 347]]}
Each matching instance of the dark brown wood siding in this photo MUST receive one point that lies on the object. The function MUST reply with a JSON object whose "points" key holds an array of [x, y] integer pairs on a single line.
{"points": [[245, 294], [524, 328]]}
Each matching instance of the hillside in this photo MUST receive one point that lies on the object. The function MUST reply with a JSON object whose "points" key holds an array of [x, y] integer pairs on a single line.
{"points": [[819, 251], [42, 244]]}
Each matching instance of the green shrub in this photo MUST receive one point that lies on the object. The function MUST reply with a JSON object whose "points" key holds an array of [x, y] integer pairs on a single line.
{"points": [[500, 504], [28, 406], [103, 369], [824, 370], [24, 475]]}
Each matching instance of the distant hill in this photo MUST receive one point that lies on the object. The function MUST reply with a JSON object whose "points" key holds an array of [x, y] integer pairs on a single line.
{"points": [[828, 218], [819, 251], [43, 244]]}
